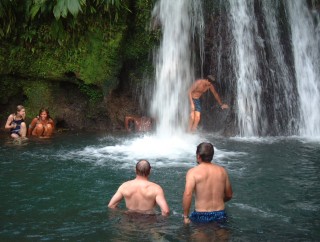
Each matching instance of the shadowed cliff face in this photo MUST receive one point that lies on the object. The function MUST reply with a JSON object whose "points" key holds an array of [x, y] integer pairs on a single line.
{"points": [[72, 110]]}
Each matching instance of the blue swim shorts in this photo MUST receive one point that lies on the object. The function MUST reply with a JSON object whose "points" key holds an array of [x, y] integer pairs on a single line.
{"points": [[207, 217], [197, 104]]}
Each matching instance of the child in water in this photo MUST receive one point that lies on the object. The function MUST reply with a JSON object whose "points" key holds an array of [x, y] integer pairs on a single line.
{"points": [[42, 126], [16, 123]]}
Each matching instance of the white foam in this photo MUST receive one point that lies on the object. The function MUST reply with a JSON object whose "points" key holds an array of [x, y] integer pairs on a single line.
{"points": [[161, 151]]}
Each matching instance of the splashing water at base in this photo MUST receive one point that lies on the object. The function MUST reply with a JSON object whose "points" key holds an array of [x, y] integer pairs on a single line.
{"points": [[127, 151]]}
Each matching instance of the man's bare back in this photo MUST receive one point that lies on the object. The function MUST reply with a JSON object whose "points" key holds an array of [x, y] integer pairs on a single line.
{"points": [[210, 182], [140, 194], [211, 186]]}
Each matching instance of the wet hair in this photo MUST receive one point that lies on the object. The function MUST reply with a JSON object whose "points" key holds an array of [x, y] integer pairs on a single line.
{"points": [[143, 168], [205, 151], [44, 110], [211, 78]]}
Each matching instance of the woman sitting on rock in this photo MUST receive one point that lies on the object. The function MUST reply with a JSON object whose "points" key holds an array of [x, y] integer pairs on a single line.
{"points": [[42, 126], [16, 123]]}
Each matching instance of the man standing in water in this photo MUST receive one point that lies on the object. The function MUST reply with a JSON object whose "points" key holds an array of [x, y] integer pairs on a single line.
{"points": [[212, 188], [195, 92], [140, 194]]}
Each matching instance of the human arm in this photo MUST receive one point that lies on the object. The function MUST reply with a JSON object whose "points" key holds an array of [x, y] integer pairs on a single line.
{"points": [[116, 199], [217, 97], [187, 196], [228, 190], [51, 122], [32, 126], [191, 89], [162, 203], [8, 123]]}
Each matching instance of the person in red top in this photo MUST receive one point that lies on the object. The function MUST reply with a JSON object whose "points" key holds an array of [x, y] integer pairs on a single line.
{"points": [[42, 126]]}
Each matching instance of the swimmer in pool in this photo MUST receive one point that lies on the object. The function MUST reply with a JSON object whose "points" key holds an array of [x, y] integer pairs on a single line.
{"points": [[16, 123], [42, 126], [140, 194], [212, 188]]}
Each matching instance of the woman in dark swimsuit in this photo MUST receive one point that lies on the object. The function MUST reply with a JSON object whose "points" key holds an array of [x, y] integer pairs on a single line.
{"points": [[16, 123]]}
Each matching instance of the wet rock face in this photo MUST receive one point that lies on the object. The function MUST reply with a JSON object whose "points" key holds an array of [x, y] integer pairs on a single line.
{"points": [[73, 111], [218, 47]]}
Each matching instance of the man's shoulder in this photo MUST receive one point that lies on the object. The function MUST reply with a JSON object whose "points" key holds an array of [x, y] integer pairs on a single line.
{"points": [[127, 183], [192, 170]]}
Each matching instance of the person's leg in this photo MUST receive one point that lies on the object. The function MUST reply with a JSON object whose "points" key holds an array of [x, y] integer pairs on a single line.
{"points": [[48, 130], [38, 130], [15, 136], [23, 130], [196, 121], [191, 121]]}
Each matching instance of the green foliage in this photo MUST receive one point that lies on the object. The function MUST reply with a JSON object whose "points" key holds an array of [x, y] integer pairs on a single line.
{"points": [[91, 39], [39, 94], [101, 60], [94, 93], [9, 87], [64, 6]]}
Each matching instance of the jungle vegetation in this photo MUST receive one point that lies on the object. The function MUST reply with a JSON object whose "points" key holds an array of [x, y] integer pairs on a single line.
{"points": [[100, 45]]}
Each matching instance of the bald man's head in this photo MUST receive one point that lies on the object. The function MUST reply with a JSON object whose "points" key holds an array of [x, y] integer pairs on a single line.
{"points": [[143, 168]]}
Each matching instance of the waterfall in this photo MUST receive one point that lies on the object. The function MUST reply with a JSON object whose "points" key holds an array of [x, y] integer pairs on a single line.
{"points": [[273, 65], [306, 49], [278, 88], [246, 68], [174, 63], [283, 88]]}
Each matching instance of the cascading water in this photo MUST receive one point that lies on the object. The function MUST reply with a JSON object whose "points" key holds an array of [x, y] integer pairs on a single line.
{"points": [[274, 92], [306, 49], [276, 71], [174, 65], [248, 85], [283, 85]]}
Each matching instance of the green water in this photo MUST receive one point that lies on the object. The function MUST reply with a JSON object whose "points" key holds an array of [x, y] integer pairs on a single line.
{"points": [[58, 189]]}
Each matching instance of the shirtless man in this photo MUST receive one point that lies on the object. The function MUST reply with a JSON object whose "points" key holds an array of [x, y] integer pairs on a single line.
{"points": [[140, 194], [195, 92], [211, 186]]}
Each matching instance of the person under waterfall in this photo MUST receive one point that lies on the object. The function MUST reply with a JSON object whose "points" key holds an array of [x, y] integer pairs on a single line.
{"points": [[198, 88]]}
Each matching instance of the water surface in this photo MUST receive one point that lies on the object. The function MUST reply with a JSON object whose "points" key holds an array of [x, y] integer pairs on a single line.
{"points": [[58, 189]]}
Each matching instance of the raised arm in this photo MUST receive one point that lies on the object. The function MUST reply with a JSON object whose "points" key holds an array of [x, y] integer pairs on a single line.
{"points": [[32, 126]]}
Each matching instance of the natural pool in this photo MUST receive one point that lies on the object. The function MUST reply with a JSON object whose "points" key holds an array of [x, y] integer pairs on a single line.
{"points": [[58, 189]]}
